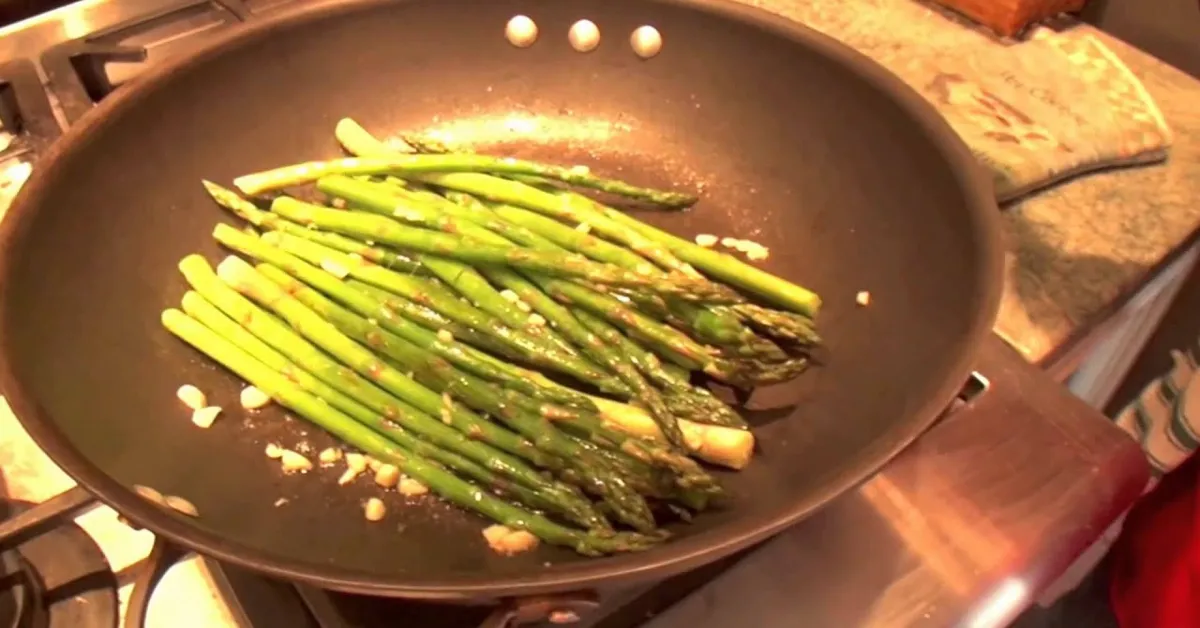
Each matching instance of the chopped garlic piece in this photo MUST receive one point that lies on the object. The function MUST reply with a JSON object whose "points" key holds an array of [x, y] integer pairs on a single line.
{"points": [[387, 476], [329, 455], [412, 488], [347, 477], [406, 213], [493, 534], [281, 501], [204, 417], [583, 227], [506, 541], [179, 504], [339, 203], [536, 320], [863, 298], [274, 452], [729, 243], [445, 336], [356, 462], [519, 541], [149, 494], [334, 268], [523, 306], [509, 295], [293, 462], [191, 397], [373, 464], [374, 509], [447, 416], [252, 398], [706, 240], [758, 254]]}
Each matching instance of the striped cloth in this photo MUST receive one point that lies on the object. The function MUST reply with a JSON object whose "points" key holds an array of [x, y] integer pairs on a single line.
{"points": [[1165, 417]]}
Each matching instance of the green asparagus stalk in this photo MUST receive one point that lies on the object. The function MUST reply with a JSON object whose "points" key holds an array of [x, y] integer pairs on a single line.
{"points": [[411, 310], [536, 352], [711, 326], [386, 230], [304, 306], [727, 267], [682, 399], [368, 306], [785, 326], [211, 317], [465, 279], [444, 483], [440, 215], [409, 164], [669, 341], [419, 314], [557, 315], [247, 211], [364, 387], [572, 208]]}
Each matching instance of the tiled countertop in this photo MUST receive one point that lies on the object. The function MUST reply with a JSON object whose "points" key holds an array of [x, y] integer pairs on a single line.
{"points": [[1075, 250]]}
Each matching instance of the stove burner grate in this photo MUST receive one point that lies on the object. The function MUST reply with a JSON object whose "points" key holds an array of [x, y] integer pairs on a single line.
{"points": [[56, 579]]}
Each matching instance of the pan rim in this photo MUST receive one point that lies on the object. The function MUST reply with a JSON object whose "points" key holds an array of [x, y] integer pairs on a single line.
{"points": [[671, 558]]}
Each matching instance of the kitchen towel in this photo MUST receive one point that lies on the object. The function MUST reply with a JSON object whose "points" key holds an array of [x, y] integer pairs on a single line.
{"points": [[1059, 105]]}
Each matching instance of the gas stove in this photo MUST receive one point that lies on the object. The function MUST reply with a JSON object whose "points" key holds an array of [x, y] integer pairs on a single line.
{"points": [[953, 532]]}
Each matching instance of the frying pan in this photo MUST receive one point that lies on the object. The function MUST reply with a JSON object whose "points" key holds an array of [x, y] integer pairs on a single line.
{"points": [[793, 140]]}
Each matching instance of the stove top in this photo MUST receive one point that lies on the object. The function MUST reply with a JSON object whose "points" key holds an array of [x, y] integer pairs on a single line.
{"points": [[56, 579]]}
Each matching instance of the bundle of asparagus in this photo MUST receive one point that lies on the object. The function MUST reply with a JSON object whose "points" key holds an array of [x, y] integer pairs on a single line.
{"points": [[520, 348]]}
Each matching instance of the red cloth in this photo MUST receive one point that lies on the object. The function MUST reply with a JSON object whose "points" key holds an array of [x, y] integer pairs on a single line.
{"points": [[1154, 578]]}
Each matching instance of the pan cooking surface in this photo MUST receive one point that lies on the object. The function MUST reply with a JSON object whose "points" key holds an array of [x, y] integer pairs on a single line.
{"points": [[786, 146]]}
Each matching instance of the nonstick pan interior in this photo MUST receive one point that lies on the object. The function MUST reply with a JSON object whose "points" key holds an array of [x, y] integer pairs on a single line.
{"points": [[793, 142]]}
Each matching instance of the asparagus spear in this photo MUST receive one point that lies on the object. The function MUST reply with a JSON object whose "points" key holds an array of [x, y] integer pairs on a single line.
{"points": [[283, 339], [686, 400], [438, 214], [727, 267], [211, 317], [333, 327], [682, 399], [711, 325], [471, 251], [673, 344], [726, 446], [465, 279], [358, 141], [266, 220], [432, 474], [785, 326], [419, 315], [447, 304], [390, 260], [402, 164], [557, 315], [368, 306]]}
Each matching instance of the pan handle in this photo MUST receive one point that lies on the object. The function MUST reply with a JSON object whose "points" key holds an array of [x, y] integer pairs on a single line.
{"points": [[562, 608]]}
